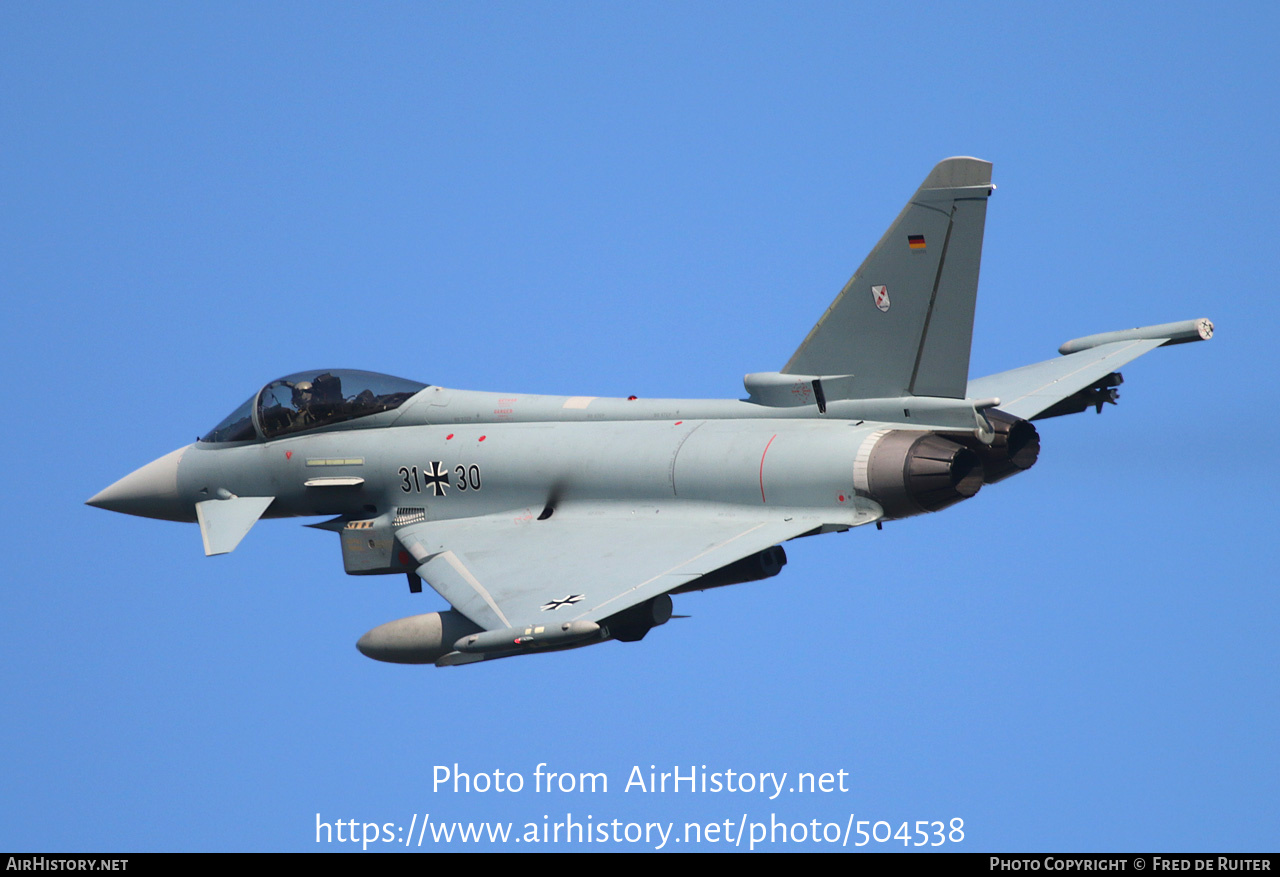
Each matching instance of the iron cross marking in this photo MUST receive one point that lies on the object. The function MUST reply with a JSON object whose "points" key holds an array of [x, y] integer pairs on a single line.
{"points": [[563, 601], [437, 478]]}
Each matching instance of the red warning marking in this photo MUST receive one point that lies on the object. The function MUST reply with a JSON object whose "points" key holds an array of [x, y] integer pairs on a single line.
{"points": [[288, 455], [842, 497], [765, 451], [449, 436], [404, 558], [678, 422], [482, 438]]}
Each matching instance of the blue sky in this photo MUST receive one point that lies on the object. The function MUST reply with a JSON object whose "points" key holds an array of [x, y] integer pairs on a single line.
{"points": [[648, 199]]}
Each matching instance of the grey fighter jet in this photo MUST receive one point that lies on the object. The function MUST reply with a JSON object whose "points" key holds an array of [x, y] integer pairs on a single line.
{"points": [[553, 522]]}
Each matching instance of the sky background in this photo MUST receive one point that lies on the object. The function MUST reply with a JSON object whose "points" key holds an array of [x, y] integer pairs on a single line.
{"points": [[649, 199]]}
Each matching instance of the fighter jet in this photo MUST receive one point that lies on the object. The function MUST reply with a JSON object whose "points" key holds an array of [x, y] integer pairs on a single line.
{"points": [[555, 522]]}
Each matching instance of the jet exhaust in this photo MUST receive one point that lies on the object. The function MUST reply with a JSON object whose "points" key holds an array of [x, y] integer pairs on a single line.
{"points": [[912, 473], [1015, 449]]}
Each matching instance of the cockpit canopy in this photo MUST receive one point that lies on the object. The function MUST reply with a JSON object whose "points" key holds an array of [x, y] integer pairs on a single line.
{"points": [[311, 399]]}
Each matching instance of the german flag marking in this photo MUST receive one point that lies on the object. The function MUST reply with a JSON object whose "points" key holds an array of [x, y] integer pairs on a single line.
{"points": [[915, 241]]}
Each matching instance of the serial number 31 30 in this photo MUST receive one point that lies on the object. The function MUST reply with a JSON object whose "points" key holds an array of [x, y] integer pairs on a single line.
{"points": [[436, 478]]}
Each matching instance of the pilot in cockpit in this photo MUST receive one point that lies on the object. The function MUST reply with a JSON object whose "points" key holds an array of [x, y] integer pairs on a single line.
{"points": [[303, 396]]}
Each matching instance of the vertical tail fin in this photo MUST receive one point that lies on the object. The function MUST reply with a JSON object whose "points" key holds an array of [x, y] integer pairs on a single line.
{"points": [[904, 323]]}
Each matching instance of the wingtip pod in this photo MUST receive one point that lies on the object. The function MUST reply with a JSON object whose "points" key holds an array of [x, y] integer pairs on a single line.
{"points": [[1199, 329], [958, 172]]}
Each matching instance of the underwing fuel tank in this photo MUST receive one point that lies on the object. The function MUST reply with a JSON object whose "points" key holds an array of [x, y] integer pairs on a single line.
{"points": [[418, 639], [425, 639], [530, 637]]}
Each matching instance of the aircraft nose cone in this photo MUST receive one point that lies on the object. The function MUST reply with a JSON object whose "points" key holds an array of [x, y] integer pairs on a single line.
{"points": [[151, 492]]}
